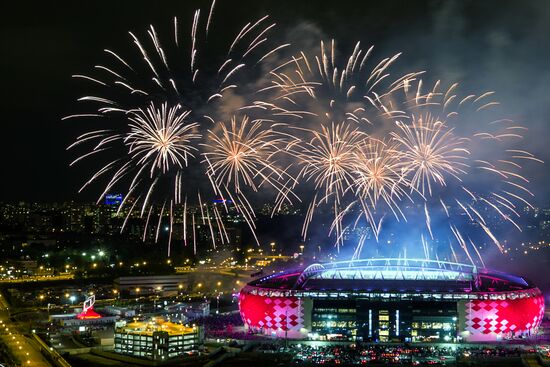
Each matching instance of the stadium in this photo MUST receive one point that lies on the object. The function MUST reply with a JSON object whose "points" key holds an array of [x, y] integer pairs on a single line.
{"points": [[390, 299]]}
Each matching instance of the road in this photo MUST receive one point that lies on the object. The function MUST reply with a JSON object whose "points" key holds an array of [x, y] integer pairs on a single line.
{"points": [[52, 278], [233, 272], [23, 348]]}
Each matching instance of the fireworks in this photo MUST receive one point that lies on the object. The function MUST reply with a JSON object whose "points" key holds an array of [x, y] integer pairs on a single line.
{"points": [[406, 153], [430, 152], [161, 138], [373, 146], [442, 158], [159, 109], [327, 160], [241, 153], [331, 106], [317, 88], [380, 176]]}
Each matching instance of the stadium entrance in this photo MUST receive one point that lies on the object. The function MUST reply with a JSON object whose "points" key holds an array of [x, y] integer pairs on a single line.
{"points": [[384, 321]]}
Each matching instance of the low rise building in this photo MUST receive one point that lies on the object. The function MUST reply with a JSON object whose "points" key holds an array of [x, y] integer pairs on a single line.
{"points": [[187, 311], [156, 339], [119, 311], [153, 284]]}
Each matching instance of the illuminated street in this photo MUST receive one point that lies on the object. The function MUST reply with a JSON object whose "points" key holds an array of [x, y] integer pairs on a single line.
{"points": [[23, 348]]}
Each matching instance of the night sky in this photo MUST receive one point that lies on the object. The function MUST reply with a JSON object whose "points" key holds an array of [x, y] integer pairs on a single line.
{"points": [[489, 45]]}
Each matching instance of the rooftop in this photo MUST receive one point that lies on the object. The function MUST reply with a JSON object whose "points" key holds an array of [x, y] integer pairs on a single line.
{"points": [[88, 314], [154, 325]]}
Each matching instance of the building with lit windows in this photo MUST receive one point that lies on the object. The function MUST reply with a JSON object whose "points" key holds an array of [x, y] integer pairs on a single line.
{"points": [[393, 300], [151, 284], [156, 339]]}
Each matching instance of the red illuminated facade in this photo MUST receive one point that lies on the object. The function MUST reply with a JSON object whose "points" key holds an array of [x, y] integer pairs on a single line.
{"points": [[278, 315], [500, 319]]}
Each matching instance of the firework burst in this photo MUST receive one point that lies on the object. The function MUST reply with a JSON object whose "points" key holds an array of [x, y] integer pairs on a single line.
{"points": [[380, 178], [243, 152], [159, 104], [372, 144], [241, 156], [320, 87], [161, 138], [327, 160], [336, 103], [430, 152], [443, 160]]}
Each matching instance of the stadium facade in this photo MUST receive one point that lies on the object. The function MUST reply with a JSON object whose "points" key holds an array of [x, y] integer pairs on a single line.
{"points": [[391, 300]]}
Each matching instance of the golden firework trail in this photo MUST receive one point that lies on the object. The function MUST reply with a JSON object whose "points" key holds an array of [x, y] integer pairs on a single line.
{"points": [[327, 160], [160, 114]]}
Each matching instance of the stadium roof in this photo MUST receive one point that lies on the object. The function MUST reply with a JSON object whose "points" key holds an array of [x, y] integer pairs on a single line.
{"points": [[394, 274]]}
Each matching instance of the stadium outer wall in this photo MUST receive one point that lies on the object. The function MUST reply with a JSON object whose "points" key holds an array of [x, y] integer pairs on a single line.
{"points": [[282, 305]]}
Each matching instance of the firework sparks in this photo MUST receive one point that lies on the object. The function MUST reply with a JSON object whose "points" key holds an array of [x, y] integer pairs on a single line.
{"points": [[239, 154], [439, 162], [161, 146], [161, 138], [367, 141], [333, 91], [430, 152], [327, 160], [242, 155], [379, 173]]}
